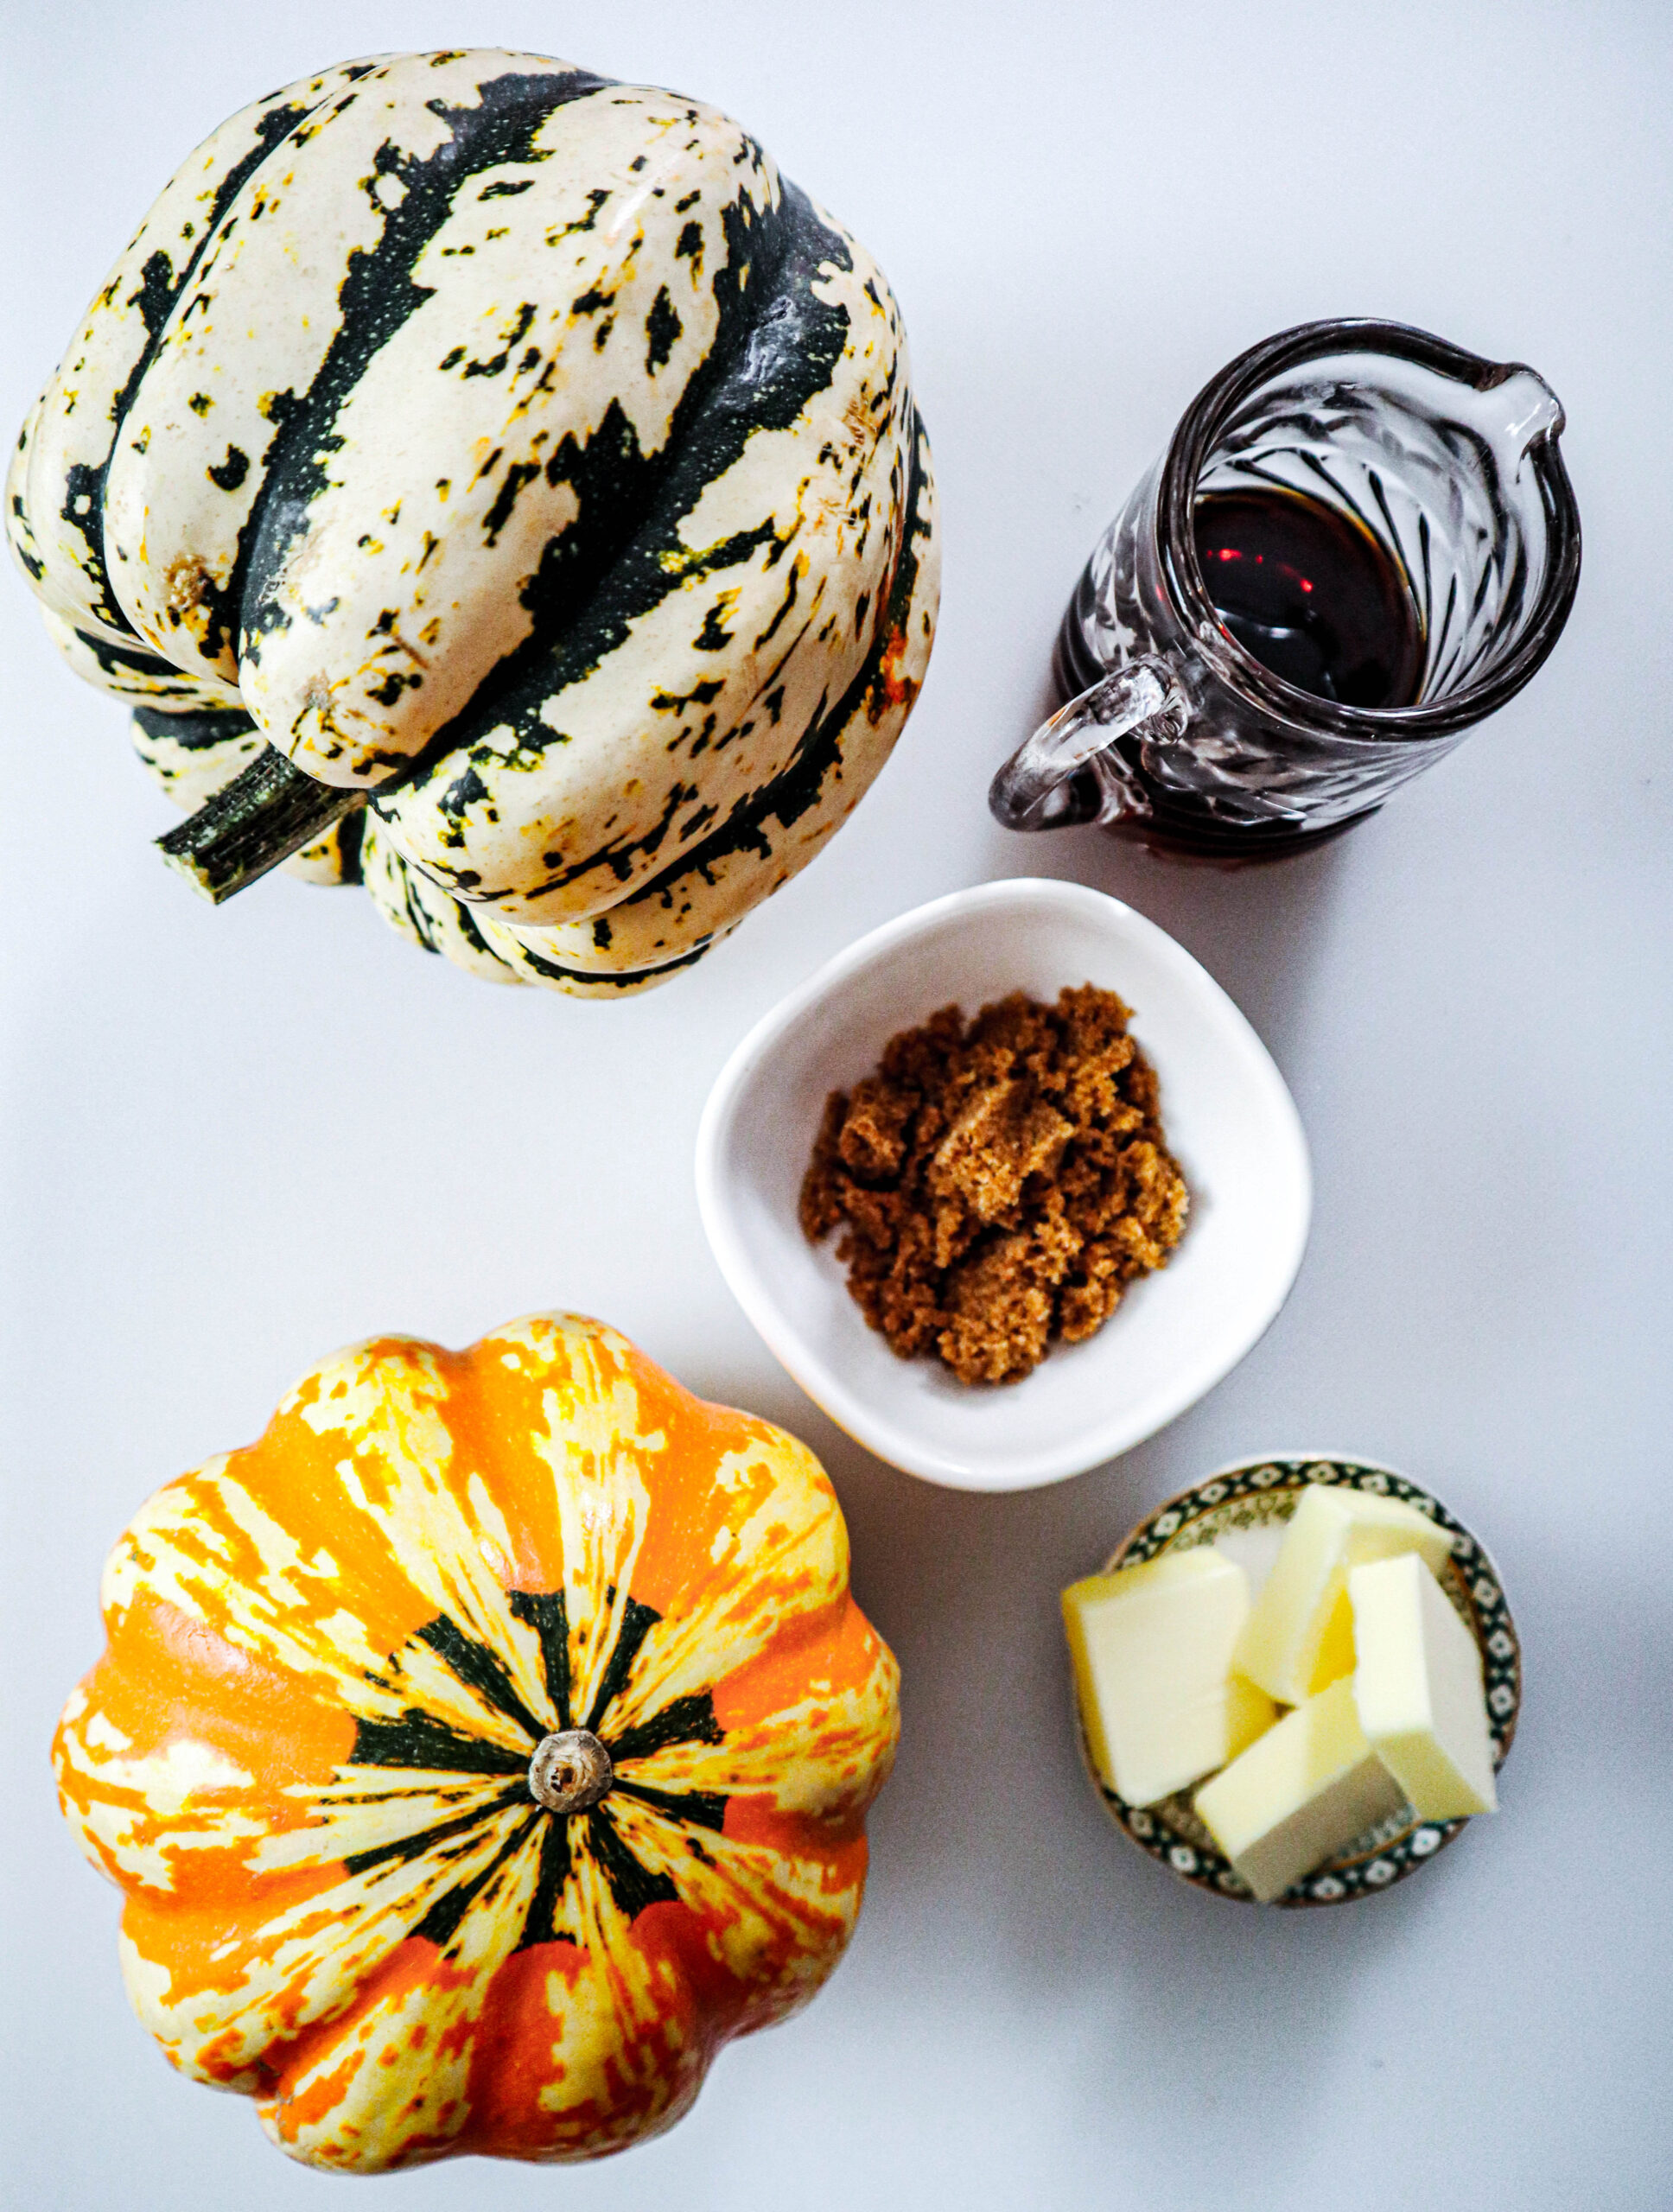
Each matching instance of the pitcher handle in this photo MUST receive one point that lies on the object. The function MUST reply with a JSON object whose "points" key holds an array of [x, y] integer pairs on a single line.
{"points": [[1069, 771]]}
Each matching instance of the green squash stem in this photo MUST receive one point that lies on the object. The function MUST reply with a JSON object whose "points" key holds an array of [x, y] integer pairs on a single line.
{"points": [[267, 812]]}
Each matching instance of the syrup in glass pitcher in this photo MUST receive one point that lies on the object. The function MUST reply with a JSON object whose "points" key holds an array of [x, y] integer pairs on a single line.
{"points": [[1360, 542]]}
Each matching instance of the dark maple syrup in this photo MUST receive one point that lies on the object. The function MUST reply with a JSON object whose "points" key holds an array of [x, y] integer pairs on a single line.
{"points": [[1311, 594]]}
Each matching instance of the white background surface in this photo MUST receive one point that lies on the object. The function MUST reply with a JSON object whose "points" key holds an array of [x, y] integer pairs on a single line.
{"points": [[235, 1139]]}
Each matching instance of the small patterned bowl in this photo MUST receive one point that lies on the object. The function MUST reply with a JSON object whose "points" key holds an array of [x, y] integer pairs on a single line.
{"points": [[1246, 1504]]}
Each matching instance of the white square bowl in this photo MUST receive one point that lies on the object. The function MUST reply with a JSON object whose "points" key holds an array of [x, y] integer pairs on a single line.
{"points": [[1229, 1122]]}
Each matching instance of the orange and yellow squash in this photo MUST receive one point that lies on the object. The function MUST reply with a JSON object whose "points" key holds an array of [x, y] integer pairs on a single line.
{"points": [[481, 1750]]}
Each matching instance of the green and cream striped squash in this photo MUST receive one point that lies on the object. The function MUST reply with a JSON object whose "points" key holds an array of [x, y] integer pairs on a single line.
{"points": [[520, 449]]}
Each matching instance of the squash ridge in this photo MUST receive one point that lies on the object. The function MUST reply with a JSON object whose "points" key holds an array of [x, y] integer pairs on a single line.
{"points": [[500, 129]]}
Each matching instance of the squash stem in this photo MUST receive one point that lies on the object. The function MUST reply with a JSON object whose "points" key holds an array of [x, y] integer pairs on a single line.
{"points": [[570, 1771], [266, 813]]}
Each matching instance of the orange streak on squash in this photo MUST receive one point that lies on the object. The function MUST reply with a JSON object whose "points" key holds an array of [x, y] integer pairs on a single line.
{"points": [[716, 2003], [293, 1474], [164, 1676], [209, 1945], [650, 2070], [689, 1509], [833, 1650], [494, 1410], [893, 690], [516, 2054], [840, 1851], [408, 1967], [684, 1510]]}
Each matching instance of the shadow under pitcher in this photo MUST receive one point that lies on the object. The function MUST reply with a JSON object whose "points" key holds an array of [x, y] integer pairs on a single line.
{"points": [[1361, 541]]}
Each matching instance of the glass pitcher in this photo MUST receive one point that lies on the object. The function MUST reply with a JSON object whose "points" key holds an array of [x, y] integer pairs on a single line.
{"points": [[1445, 464]]}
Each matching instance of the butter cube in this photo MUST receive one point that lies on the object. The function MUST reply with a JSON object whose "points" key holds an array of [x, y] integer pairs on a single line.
{"points": [[1417, 1686], [1299, 1636], [1151, 1647], [1299, 1793]]}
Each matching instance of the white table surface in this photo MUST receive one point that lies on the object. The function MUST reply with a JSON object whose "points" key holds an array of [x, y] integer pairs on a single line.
{"points": [[235, 1139]]}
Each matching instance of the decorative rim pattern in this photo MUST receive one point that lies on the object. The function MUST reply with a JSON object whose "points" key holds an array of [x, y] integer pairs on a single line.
{"points": [[1251, 1494]]}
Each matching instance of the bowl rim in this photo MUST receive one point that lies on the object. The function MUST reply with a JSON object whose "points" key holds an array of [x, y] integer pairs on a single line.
{"points": [[1101, 1441], [1340, 1880]]}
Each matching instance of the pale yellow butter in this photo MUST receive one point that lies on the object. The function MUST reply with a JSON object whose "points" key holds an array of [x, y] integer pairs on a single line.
{"points": [[1299, 1636], [1151, 1647], [1299, 1793], [1418, 1689]]}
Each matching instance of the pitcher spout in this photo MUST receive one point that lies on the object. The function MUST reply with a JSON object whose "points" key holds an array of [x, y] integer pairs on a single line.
{"points": [[1520, 412]]}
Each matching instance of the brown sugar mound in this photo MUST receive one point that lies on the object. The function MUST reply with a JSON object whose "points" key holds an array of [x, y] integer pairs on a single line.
{"points": [[1001, 1184]]}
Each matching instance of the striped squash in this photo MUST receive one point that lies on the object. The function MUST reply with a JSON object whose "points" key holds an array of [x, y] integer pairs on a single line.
{"points": [[520, 452], [481, 1750]]}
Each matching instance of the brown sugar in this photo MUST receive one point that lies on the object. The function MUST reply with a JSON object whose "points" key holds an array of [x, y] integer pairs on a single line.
{"points": [[1000, 1183]]}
